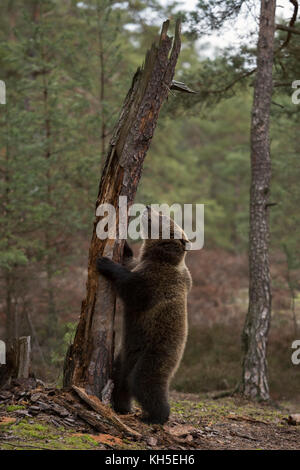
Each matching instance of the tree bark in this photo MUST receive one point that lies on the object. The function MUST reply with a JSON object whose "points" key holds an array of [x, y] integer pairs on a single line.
{"points": [[89, 359], [18, 360], [24, 359], [255, 334]]}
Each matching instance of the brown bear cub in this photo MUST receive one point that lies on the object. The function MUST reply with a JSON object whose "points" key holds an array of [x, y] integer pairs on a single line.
{"points": [[154, 291]]}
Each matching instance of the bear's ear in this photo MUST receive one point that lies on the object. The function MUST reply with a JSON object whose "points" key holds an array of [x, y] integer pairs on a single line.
{"points": [[185, 244]]}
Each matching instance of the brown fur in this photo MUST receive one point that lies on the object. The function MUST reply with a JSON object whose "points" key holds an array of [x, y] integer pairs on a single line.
{"points": [[154, 293]]}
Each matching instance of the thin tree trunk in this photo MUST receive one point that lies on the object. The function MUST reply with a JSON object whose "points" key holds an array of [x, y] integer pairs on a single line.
{"points": [[101, 85], [255, 334], [8, 369], [9, 324], [88, 362], [52, 319], [102, 98], [34, 336], [24, 357]]}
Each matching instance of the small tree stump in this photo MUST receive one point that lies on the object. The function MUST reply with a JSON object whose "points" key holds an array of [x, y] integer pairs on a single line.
{"points": [[17, 361], [24, 350]]}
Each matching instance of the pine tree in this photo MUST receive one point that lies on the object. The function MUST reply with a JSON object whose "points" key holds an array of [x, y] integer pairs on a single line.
{"points": [[255, 333]]}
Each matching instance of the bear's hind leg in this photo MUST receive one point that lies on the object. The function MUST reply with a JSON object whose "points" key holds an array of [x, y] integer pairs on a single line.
{"points": [[152, 394], [121, 395], [121, 398], [154, 401]]}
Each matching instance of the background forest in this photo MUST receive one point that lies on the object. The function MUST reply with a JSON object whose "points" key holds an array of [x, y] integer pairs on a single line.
{"points": [[67, 66]]}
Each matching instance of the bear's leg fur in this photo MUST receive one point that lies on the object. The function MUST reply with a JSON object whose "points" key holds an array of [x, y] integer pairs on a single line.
{"points": [[151, 391], [121, 397]]}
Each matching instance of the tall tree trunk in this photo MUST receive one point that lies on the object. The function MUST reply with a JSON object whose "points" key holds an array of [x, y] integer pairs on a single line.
{"points": [[89, 359], [52, 319], [255, 334], [101, 83]]}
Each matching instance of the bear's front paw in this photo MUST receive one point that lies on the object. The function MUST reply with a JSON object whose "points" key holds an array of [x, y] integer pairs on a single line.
{"points": [[104, 265]]}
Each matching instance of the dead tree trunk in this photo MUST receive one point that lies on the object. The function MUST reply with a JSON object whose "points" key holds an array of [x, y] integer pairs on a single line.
{"points": [[24, 359], [88, 362], [17, 359], [255, 334]]}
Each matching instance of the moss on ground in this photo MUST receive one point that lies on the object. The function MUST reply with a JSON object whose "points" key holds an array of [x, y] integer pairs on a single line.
{"points": [[30, 433], [213, 411], [15, 407], [233, 414]]}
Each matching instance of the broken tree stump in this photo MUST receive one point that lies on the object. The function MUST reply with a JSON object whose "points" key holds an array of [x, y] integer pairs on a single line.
{"points": [[17, 361], [24, 351], [88, 362]]}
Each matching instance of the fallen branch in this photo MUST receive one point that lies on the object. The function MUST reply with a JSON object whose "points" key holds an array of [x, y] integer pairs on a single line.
{"points": [[225, 393], [243, 436], [104, 411], [221, 394], [246, 418]]}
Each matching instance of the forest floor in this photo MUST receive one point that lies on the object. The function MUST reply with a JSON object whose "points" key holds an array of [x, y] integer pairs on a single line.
{"points": [[35, 418]]}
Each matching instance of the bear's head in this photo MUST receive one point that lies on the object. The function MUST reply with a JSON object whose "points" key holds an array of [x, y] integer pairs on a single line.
{"points": [[164, 240]]}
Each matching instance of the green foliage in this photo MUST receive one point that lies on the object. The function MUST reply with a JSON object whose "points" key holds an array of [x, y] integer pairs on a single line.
{"points": [[14, 407], [42, 435], [58, 354], [205, 160], [211, 14], [67, 70]]}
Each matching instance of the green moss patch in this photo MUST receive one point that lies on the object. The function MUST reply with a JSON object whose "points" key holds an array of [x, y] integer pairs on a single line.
{"points": [[41, 435]]}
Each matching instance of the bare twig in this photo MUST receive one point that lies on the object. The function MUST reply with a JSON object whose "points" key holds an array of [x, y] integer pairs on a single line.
{"points": [[283, 84], [290, 30], [282, 107], [246, 418], [287, 28], [231, 84]]}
